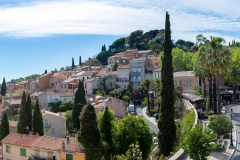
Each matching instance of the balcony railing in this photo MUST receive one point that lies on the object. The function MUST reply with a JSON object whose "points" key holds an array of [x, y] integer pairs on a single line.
{"points": [[122, 80], [135, 73]]}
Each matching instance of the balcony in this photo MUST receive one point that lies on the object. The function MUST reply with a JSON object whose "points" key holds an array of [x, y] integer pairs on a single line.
{"points": [[47, 125], [122, 80], [136, 81], [134, 73]]}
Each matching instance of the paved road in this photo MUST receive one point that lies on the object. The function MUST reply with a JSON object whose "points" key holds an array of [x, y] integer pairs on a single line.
{"points": [[236, 121]]}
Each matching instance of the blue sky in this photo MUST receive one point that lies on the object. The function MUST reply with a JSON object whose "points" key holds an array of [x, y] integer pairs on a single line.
{"points": [[43, 34]]}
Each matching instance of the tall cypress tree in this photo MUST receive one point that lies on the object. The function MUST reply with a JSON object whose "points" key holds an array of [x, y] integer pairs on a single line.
{"points": [[166, 124], [79, 102], [106, 129], [80, 60], [4, 128], [4, 88], [73, 65], [22, 126], [37, 120], [29, 113], [89, 135]]}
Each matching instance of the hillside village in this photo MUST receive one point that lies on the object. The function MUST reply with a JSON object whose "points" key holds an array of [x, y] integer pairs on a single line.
{"points": [[66, 114], [55, 86]]}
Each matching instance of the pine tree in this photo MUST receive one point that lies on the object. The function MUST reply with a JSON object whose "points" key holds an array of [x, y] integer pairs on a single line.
{"points": [[22, 126], [4, 128], [4, 88], [89, 135], [115, 67], [106, 129], [79, 102], [166, 124], [80, 61], [37, 120], [29, 113], [73, 65]]}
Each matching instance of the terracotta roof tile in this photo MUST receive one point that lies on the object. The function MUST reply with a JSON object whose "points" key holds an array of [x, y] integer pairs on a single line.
{"points": [[23, 140]]}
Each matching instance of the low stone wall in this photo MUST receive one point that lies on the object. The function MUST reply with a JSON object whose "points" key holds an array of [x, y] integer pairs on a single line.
{"points": [[187, 106]]}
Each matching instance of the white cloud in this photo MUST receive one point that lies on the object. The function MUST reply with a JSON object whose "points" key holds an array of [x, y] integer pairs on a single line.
{"points": [[188, 18]]}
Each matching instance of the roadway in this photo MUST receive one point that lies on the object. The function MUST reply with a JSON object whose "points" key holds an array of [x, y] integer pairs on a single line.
{"points": [[236, 121]]}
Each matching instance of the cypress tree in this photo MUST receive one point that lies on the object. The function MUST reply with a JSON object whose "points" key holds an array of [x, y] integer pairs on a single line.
{"points": [[45, 72], [104, 48], [115, 67], [166, 124], [89, 135], [4, 128], [37, 120], [79, 102], [22, 122], [106, 129], [80, 61], [29, 113], [4, 88], [73, 65]]}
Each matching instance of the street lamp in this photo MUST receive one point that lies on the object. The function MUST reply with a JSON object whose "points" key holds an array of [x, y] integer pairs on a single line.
{"points": [[231, 139]]}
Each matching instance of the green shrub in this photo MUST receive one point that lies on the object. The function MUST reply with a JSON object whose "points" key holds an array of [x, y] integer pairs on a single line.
{"points": [[220, 124], [184, 126]]}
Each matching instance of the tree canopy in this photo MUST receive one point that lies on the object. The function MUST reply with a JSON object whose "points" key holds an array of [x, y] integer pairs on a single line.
{"points": [[89, 134], [166, 124], [79, 102]]}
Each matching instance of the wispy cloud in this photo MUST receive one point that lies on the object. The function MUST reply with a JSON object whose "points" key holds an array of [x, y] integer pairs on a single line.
{"points": [[188, 18]]}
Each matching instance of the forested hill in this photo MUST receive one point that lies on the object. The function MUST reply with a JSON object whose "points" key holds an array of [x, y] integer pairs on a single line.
{"points": [[153, 40]]}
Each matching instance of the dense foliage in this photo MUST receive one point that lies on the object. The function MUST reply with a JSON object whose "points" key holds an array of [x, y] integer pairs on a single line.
{"points": [[106, 126], [199, 144], [4, 128], [22, 126], [131, 130], [220, 124], [3, 88], [89, 134], [37, 120], [79, 102], [166, 124], [29, 113]]}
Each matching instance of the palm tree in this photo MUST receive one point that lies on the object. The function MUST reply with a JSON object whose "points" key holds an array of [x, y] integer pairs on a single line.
{"points": [[217, 57], [234, 73], [145, 85], [201, 71]]}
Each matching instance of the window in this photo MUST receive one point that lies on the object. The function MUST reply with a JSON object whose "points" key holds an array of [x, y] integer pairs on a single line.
{"points": [[185, 83], [190, 83], [23, 152], [8, 149], [85, 85], [65, 85], [196, 83], [53, 131], [69, 157]]}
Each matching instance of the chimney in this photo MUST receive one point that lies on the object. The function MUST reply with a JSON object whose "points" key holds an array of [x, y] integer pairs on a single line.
{"points": [[63, 145]]}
